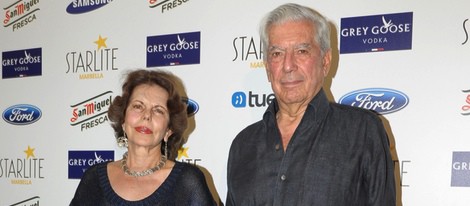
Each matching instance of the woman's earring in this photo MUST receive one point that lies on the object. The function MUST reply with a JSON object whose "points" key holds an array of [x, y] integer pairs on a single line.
{"points": [[122, 140], [166, 149]]}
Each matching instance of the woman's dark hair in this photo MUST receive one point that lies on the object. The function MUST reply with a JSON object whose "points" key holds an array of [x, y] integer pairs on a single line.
{"points": [[176, 106]]}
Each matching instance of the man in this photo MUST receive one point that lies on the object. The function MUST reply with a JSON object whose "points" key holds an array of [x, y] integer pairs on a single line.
{"points": [[306, 150]]}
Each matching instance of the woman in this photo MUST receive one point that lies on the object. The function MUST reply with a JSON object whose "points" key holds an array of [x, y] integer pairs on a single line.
{"points": [[149, 119]]}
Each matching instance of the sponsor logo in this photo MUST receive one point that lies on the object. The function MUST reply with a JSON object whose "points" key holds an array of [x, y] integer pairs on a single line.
{"points": [[192, 106], [241, 100], [248, 49], [402, 166], [21, 171], [466, 106], [80, 161], [22, 63], [91, 112], [383, 101], [22, 114], [465, 30], [33, 201], [92, 64], [173, 49], [184, 157], [166, 5], [20, 14], [83, 6], [385, 32], [460, 169]]}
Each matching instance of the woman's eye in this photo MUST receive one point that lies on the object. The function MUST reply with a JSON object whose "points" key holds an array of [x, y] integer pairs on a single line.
{"points": [[137, 107], [158, 110]]}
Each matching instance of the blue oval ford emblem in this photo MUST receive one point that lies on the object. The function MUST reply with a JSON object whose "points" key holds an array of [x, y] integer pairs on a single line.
{"points": [[381, 100], [22, 114], [192, 106]]}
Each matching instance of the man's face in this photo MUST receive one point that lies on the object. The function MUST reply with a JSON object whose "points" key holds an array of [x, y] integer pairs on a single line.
{"points": [[294, 64]]}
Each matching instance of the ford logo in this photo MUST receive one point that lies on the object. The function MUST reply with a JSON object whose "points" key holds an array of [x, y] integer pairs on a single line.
{"points": [[381, 100], [192, 106], [22, 114]]}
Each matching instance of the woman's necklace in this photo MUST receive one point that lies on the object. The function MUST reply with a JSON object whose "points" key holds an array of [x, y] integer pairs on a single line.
{"points": [[141, 173]]}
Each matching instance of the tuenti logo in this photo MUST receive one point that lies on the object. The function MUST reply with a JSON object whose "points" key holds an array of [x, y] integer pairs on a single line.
{"points": [[460, 169], [80, 161], [20, 13], [33, 201], [166, 5], [384, 32], [173, 49], [466, 106], [83, 6], [22, 63], [192, 107], [240, 99], [381, 100], [22, 114], [248, 49]]}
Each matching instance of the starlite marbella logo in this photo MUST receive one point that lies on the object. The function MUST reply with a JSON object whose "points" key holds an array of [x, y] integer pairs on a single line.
{"points": [[241, 100], [184, 157], [465, 31], [91, 112], [22, 171], [22, 63], [83, 6], [248, 49], [166, 5], [94, 63], [380, 100], [384, 32], [460, 169], [20, 14], [22, 114], [173, 49], [80, 161], [466, 106]]}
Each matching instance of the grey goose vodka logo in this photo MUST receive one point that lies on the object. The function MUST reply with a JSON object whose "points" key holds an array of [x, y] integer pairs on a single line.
{"points": [[380, 100], [22, 63], [375, 33], [173, 49]]}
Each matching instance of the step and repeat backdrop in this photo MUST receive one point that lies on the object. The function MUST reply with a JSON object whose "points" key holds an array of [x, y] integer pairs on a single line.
{"points": [[63, 63]]}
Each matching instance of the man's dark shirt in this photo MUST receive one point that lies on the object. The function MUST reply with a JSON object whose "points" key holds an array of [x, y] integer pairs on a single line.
{"points": [[339, 155]]}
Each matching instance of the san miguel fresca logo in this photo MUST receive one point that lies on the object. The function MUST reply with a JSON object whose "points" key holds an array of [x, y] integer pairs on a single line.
{"points": [[33, 201], [385, 32], [20, 14], [22, 114], [22, 63], [166, 5], [83, 6], [21, 171], [380, 100], [91, 112], [92, 64], [466, 106], [248, 49], [173, 49], [80, 161]]}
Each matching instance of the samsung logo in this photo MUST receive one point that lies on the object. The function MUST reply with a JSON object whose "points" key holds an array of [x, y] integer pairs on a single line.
{"points": [[381, 100], [22, 114], [83, 6]]}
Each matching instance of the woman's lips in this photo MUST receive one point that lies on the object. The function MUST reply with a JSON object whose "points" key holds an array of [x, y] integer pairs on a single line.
{"points": [[143, 130]]}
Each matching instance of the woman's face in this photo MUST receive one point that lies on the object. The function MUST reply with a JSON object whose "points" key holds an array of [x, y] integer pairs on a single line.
{"points": [[147, 116]]}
